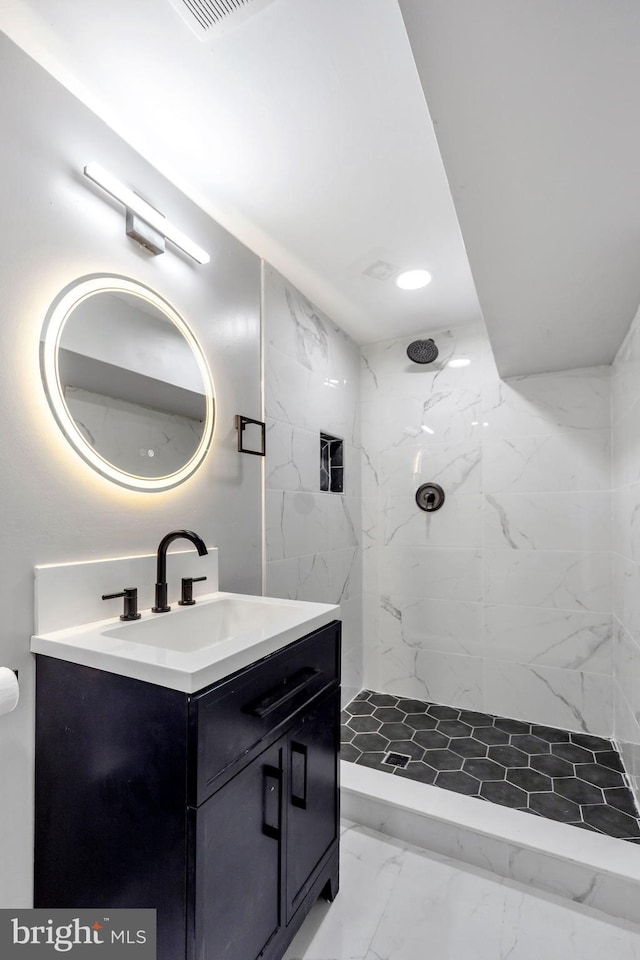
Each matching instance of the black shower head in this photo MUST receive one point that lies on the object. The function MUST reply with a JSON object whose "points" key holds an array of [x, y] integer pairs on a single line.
{"points": [[422, 351]]}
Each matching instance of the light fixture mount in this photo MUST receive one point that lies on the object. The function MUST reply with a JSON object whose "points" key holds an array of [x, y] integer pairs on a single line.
{"points": [[144, 223], [139, 230]]}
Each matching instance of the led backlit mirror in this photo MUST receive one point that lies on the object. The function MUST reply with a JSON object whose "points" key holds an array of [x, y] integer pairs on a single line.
{"points": [[127, 382]]}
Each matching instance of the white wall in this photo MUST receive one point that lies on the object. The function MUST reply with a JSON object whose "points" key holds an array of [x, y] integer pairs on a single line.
{"points": [[626, 548], [311, 371], [57, 227], [501, 601]]}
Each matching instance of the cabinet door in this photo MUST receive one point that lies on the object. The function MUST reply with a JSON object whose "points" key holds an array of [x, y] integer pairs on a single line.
{"points": [[312, 803], [237, 871]]}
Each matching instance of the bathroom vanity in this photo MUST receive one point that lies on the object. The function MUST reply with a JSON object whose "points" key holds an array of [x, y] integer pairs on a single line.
{"points": [[216, 806], [219, 808]]}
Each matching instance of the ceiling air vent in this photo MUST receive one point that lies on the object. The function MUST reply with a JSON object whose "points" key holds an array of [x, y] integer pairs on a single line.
{"points": [[210, 18]]}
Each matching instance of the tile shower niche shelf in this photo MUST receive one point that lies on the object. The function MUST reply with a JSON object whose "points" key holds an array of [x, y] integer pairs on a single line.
{"points": [[331, 464]]}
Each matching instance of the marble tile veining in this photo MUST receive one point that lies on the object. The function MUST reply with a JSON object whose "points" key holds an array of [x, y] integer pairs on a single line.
{"points": [[575, 699], [457, 467], [549, 403], [450, 626], [570, 460], [548, 521], [311, 384], [503, 600], [457, 524], [433, 675], [523, 538], [564, 579], [432, 572], [398, 902], [539, 636]]}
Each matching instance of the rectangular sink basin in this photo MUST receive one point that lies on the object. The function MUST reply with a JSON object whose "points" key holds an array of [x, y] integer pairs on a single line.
{"points": [[189, 648], [186, 629]]}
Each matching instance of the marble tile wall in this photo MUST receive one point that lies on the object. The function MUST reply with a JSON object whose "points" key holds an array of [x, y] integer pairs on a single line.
{"points": [[502, 600], [625, 417], [313, 539]]}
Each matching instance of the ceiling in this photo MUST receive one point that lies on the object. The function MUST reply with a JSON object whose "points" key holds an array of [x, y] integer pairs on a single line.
{"points": [[536, 104], [306, 132]]}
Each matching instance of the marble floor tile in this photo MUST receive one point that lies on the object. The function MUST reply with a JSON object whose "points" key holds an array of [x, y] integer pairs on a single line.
{"points": [[397, 902], [369, 868]]}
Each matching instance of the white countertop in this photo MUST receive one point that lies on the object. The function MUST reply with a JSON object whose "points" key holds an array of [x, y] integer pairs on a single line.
{"points": [[188, 648]]}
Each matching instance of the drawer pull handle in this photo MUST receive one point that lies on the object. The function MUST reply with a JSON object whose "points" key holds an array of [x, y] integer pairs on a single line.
{"points": [[271, 781], [281, 694], [299, 775]]}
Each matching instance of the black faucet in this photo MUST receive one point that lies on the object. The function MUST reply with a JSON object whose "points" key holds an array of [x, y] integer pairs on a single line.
{"points": [[161, 605]]}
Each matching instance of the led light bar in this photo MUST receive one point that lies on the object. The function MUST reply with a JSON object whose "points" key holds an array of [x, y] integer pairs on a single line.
{"points": [[136, 205]]}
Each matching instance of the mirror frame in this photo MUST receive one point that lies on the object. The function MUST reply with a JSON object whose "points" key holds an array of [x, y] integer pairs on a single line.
{"points": [[59, 311]]}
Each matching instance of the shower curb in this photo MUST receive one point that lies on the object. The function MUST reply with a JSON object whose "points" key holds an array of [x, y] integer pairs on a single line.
{"points": [[587, 868]]}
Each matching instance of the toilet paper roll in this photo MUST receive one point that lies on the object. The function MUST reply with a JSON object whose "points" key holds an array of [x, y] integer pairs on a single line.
{"points": [[9, 690]]}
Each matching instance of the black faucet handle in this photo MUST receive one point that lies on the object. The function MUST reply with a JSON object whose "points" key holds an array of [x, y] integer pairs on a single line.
{"points": [[187, 591], [130, 595]]}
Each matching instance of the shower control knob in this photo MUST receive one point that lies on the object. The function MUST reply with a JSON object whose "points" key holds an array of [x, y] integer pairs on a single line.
{"points": [[430, 497]]}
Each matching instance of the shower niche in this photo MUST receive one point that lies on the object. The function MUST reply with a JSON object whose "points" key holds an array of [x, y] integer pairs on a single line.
{"points": [[331, 464]]}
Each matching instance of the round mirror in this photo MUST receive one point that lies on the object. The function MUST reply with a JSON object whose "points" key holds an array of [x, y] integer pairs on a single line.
{"points": [[127, 382]]}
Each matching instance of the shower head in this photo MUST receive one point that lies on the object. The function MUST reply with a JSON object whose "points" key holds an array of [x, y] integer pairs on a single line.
{"points": [[422, 351]]}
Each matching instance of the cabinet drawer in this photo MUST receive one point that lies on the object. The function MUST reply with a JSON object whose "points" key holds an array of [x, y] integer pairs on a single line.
{"points": [[231, 718]]}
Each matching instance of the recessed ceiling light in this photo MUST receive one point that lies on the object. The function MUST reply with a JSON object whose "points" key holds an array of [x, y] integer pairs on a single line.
{"points": [[413, 279], [459, 362]]}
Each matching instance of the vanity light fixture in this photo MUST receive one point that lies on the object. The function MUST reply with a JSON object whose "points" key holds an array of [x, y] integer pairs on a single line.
{"points": [[144, 223], [413, 279]]}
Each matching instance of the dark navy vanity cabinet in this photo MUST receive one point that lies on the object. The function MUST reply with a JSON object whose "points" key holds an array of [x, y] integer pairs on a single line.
{"points": [[219, 808]]}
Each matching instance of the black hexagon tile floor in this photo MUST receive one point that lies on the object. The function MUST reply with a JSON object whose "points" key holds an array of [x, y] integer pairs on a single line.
{"points": [[572, 777]]}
